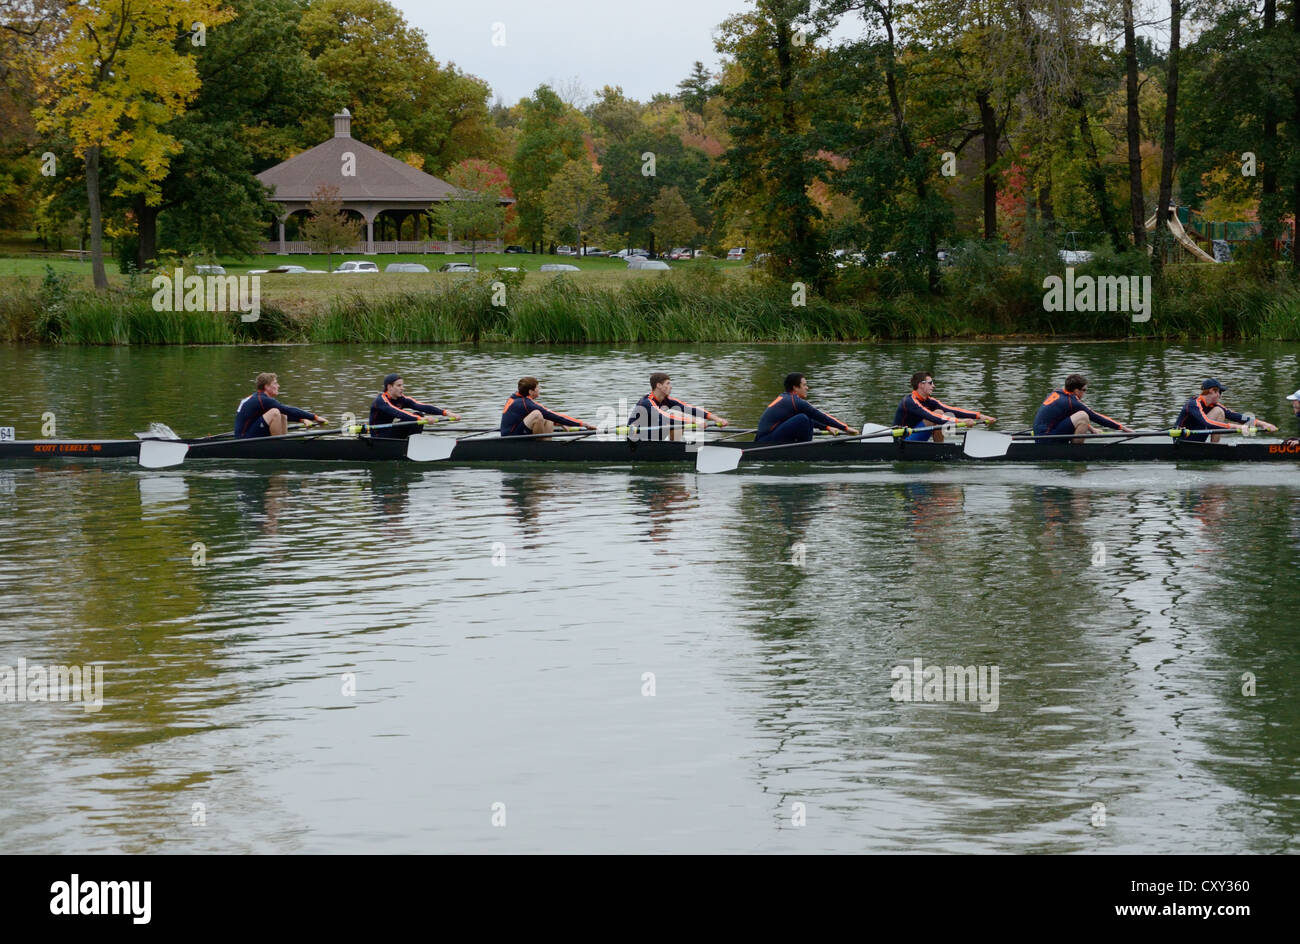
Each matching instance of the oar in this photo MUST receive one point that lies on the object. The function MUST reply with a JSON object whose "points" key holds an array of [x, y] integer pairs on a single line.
{"points": [[160, 453], [982, 444], [439, 448], [712, 459]]}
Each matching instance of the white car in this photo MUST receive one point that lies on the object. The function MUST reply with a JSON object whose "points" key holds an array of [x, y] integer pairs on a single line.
{"points": [[559, 267], [736, 255], [638, 262], [594, 251], [566, 251], [680, 253], [405, 267], [287, 270], [353, 266], [627, 253], [212, 270], [457, 267]]}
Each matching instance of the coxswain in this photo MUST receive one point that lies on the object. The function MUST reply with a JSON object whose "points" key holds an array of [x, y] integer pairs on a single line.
{"points": [[393, 406], [662, 417], [920, 408], [261, 414], [1064, 413], [790, 418], [523, 415], [1207, 412]]}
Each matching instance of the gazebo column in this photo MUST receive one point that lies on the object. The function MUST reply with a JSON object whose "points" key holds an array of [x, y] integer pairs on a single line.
{"points": [[281, 224]]}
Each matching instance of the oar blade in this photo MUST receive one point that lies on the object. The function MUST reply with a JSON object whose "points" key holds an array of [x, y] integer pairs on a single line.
{"points": [[982, 444], [870, 429], [712, 459], [160, 453], [423, 448]]}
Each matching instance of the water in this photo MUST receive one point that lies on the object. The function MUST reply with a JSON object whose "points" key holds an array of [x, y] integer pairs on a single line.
{"points": [[391, 659]]}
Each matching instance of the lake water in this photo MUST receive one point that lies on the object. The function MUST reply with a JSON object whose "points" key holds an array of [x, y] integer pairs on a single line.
{"points": [[430, 658]]}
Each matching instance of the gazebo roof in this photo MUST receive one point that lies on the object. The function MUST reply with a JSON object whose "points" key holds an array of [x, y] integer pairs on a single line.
{"points": [[378, 176]]}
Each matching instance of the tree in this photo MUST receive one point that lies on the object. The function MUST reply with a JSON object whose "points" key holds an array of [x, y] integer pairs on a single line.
{"points": [[549, 137], [673, 223], [1137, 210], [772, 161], [577, 198], [476, 211], [697, 88], [1167, 156], [402, 100], [328, 228], [114, 79]]}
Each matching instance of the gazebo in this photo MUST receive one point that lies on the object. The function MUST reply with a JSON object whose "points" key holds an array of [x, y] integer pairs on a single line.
{"points": [[369, 183]]}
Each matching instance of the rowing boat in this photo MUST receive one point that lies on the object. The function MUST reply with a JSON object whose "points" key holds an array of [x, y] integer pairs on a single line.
{"points": [[613, 450]]}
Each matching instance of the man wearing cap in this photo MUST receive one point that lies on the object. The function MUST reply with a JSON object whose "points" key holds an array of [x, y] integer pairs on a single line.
{"points": [[393, 406], [1206, 412], [1295, 405]]}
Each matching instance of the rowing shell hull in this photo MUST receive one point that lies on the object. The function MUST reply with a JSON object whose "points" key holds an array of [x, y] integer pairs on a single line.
{"points": [[622, 452]]}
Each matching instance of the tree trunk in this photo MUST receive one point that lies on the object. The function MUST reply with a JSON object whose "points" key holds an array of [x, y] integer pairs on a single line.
{"points": [[1269, 206], [1295, 124], [1137, 208], [1167, 156], [147, 228], [989, 130], [1094, 173], [96, 219]]}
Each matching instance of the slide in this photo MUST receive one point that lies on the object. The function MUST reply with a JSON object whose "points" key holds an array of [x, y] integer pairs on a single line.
{"points": [[1180, 234]]}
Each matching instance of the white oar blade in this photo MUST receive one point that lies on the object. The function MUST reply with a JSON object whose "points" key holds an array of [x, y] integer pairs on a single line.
{"points": [[869, 428], [981, 444], [423, 448], [158, 453], [711, 459]]}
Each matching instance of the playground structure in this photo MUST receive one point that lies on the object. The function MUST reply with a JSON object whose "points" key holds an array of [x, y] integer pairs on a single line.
{"points": [[1188, 226]]}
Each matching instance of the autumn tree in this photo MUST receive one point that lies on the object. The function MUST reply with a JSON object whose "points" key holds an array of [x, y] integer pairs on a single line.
{"points": [[550, 136], [577, 198], [674, 225], [329, 228], [117, 75], [476, 211]]}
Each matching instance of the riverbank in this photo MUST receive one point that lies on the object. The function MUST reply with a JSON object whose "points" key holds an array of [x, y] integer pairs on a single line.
{"points": [[607, 304]]}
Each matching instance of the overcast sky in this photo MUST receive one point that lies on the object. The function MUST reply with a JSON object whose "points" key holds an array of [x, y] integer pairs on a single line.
{"points": [[646, 47]]}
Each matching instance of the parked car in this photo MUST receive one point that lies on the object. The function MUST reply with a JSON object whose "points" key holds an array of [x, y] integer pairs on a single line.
{"points": [[511, 269], [1072, 254], [640, 262], [566, 251], [736, 255], [559, 267], [625, 253], [457, 267], [682, 253], [519, 249], [594, 251], [406, 267], [285, 270], [212, 270], [354, 266], [702, 254]]}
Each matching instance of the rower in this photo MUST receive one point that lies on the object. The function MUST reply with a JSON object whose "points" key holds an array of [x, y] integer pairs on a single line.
{"points": [[261, 414], [1207, 412], [523, 415], [920, 408], [1295, 405], [1064, 413], [657, 410], [791, 418], [393, 406]]}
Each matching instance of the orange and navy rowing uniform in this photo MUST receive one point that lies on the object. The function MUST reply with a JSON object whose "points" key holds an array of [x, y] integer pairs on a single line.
{"points": [[654, 415], [1194, 415], [1053, 417], [790, 418], [916, 410], [388, 409], [248, 417], [519, 406]]}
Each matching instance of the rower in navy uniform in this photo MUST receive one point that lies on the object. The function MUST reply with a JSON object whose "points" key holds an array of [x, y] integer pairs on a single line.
{"points": [[1064, 413], [1295, 407], [790, 418], [523, 415], [393, 406], [1207, 412], [261, 414], [658, 416], [920, 408]]}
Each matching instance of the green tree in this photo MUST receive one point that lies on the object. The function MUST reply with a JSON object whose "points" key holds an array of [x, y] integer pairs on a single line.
{"points": [[577, 198], [329, 228], [476, 212], [550, 135], [697, 88], [674, 225]]}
